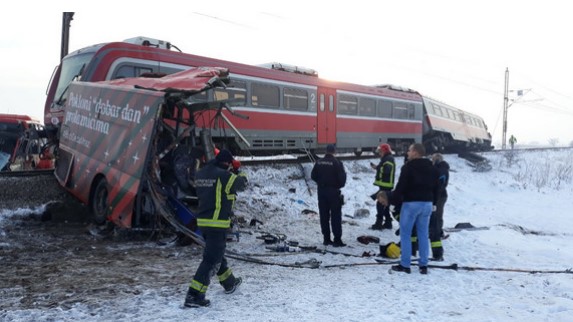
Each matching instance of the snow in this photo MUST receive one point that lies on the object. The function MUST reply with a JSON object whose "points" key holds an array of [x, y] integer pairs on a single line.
{"points": [[525, 203]]}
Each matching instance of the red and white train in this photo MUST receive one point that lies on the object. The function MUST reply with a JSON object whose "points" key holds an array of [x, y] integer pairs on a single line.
{"points": [[289, 108]]}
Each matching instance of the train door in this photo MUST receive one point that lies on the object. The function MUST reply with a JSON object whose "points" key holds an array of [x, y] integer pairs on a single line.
{"points": [[326, 116]]}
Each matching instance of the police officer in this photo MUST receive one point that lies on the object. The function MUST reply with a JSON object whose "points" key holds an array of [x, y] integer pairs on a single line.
{"points": [[330, 177], [216, 188], [384, 179]]}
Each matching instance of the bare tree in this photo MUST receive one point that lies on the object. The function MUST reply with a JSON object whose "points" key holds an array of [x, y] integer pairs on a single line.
{"points": [[553, 142]]}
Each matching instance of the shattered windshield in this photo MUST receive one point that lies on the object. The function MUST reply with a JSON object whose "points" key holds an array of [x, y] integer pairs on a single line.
{"points": [[71, 68]]}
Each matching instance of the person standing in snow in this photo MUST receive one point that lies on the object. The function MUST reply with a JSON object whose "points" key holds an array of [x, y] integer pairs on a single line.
{"points": [[385, 181], [330, 177], [437, 218], [216, 189], [417, 187]]}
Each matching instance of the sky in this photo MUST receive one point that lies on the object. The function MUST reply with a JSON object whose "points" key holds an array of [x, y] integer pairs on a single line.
{"points": [[510, 200], [453, 51]]}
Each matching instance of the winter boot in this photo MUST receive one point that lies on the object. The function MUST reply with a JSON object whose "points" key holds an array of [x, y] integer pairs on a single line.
{"points": [[327, 241], [231, 284], [400, 268], [194, 299], [424, 270], [378, 224], [387, 224], [338, 242]]}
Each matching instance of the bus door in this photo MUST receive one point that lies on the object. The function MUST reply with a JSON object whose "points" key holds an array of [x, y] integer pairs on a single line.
{"points": [[326, 116]]}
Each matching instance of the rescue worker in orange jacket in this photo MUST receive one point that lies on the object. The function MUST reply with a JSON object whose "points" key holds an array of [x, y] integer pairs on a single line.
{"points": [[216, 189]]}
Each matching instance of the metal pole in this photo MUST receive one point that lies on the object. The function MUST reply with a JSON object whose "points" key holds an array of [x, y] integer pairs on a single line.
{"points": [[505, 107], [66, 21]]}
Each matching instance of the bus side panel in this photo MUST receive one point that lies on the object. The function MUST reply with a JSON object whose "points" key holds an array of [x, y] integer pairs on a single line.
{"points": [[108, 130]]}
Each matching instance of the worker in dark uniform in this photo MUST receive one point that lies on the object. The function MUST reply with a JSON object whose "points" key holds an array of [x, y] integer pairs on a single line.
{"points": [[216, 188], [385, 171], [330, 177], [437, 218]]}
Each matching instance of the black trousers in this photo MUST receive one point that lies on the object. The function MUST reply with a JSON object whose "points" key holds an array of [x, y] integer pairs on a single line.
{"points": [[330, 210], [383, 212], [436, 227], [214, 261]]}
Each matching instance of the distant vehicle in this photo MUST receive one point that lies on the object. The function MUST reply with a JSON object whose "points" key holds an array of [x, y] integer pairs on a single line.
{"points": [[289, 107], [23, 145]]}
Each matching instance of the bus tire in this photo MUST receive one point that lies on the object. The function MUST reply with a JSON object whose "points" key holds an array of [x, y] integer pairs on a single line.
{"points": [[99, 203]]}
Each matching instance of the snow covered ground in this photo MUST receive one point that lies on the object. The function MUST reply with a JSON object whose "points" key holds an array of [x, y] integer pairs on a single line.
{"points": [[525, 200]]}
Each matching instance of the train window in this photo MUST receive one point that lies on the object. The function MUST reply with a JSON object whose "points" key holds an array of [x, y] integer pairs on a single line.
{"points": [[448, 113], [265, 95], [295, 99], [322, 102], [235, 91], [400, 112], [126, 71], [367, 107], [347, 104], [437, 109], [330, 103], [411, 111], [384, 109]]}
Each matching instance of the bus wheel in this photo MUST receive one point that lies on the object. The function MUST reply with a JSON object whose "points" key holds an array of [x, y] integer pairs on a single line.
{"points": [[99, 204]]}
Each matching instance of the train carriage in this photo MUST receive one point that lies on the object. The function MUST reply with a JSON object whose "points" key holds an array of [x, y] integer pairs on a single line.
{"points": [[289, 108], [450, 129]]}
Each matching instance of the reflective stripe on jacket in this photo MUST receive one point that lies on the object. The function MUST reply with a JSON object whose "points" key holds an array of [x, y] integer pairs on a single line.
{"points": [[385, 172], [216, 190]]}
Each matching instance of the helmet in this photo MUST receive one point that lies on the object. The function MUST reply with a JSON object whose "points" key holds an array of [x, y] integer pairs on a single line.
{"points": [[392, 250], [236, 164], [385, 148]]}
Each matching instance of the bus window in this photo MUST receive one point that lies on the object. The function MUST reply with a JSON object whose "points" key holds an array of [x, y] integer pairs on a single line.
{"points": [[295, 99]]}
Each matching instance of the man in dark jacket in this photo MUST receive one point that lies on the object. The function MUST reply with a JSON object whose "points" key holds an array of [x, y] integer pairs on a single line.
{"points": [[437, 218], [417, 188], [384, 180], [216, 189], [330, 177]]}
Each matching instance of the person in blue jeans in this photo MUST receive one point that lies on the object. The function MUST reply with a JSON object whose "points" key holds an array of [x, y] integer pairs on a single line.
{"points": [[418, 189]]}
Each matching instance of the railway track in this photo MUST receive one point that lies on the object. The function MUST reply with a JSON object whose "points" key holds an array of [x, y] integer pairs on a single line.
{"points": [[28, 173]]}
